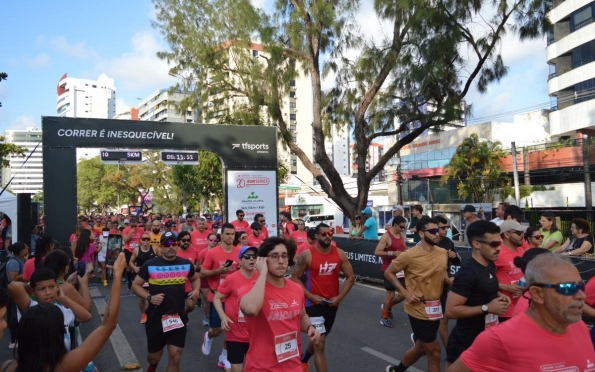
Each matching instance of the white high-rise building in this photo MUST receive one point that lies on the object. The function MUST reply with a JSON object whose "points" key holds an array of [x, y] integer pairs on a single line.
{"points": [[82, 98], [571, 56], [26, 170], [338, 149], [160, 106]]}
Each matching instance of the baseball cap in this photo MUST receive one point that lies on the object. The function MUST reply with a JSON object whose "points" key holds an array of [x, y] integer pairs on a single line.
{"points": [[126, 221], [168, 236], [512, 225], [469, 208], [215, 226], [255, 225], [398, 207], [246, 248], [168, 224], [368, 210]]}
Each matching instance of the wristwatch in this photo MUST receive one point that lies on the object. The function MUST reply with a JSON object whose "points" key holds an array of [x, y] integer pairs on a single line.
{"points": [[484, 308], [149, 299]]}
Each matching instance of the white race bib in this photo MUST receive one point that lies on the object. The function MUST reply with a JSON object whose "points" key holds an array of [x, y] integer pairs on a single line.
{"points": [[491, 320], [241, 316], [433, 309], [401, 274], [171, 322], [286, 346], [318, 323], [133, 245]]}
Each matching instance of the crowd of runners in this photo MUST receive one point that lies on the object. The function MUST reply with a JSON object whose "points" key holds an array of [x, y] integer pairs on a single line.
{"points": [[515, 305]]}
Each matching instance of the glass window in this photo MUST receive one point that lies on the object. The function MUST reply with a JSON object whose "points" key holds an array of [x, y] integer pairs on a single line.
{"points": [[292, 83], [583, 54], [584, 91], [292, 94], [581, 18], [291, 116]]}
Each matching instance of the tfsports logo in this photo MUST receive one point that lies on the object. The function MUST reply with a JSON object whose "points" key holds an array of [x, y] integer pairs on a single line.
{"points": [[250, 146]]}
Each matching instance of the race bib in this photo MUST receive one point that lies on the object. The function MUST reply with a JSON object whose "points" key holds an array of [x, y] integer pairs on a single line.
{"points": [[433, 309], [401, 274], [171, 322], [286, 346], [133, 245], [491, 320], [318, 323], [241, 316]]}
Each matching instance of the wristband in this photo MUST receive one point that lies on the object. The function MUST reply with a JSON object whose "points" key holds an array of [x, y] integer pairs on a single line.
{"points": [[389, 253], [308, 327]]}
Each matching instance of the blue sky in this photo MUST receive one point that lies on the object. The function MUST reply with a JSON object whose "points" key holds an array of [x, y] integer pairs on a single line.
{"points": [[42, 40]]}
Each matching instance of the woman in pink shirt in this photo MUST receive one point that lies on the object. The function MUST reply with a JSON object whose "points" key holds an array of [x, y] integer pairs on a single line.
{"points": [[85, 250], [44, 245]]}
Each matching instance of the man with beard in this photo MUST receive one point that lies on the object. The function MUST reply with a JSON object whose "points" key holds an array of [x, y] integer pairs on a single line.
{"points": [[474, 299], [274, 331], [256, 238], [155, 234], [425, 274], [166, 318], [232, 319], [322, 265], [559, 339], [199, 236]]}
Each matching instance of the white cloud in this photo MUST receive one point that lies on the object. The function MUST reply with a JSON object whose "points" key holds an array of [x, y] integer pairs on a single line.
{"points": [[41, 60], [23, 122], [60, 44], [514, 50], [139, 68], [121, 105]]}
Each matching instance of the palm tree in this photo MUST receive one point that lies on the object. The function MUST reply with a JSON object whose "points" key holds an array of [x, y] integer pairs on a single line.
{"points": [[476, 165]]}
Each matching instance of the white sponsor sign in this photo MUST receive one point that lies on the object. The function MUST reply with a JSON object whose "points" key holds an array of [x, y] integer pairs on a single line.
{"points": [[253, 192]]}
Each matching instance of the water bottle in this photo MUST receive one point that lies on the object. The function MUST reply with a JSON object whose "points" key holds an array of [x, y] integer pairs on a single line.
{"points": [[522, 282], [90, 367]]}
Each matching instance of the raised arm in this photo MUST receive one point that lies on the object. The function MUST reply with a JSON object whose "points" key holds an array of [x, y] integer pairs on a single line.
{"points": [[252, 301]]}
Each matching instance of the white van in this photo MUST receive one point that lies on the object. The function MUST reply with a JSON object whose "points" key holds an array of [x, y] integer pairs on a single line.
{"points": [[313, 220]]}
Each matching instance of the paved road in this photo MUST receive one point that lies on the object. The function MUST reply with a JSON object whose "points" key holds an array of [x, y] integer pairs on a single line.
{"points": [[357, 342]]}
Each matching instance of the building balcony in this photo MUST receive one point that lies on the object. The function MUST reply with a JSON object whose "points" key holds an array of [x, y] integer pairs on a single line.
{"points": [[564, 9], [570, 41], [571, 78], [570, 119]]}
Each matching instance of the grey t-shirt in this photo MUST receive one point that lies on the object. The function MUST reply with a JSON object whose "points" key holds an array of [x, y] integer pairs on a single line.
{"points": [[14, 264]]}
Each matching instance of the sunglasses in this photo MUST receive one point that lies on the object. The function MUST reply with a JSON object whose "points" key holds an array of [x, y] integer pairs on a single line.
{"points": [[184, 240], [262, 221], [212, 240], [519, 233], [432, 231], [249, 256], [324, 233], [170, 243], [257, 229], [538, 237], [492, 243], [402, 226], [146, 239], [567, 289], [358, 218]]}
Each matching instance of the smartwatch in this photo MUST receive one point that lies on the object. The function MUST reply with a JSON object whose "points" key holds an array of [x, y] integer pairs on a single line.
{"points": [[149, 300], [484, 308]]}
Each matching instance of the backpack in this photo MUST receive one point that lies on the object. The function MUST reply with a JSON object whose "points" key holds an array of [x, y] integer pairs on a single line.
{"points": [[4, 281]]}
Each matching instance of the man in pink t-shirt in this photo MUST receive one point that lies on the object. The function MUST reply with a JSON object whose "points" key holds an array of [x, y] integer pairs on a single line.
{"points": [[274, 311], [259, 217], [185, 250], [241, 224], [131, 235], [549, 336], [232, 318], [219, 263], [507, 273], [199, 236], [299, 236], [255, 239]]}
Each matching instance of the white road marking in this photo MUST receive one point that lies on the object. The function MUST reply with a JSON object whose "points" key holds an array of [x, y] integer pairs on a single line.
{"points": [[371, 286], [388, 359], [119, 342]]}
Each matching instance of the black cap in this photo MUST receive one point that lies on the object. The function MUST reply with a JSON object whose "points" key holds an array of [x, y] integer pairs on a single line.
{"points": [[255, 225], [469, 208], [311, 233], [168, 224], [168, 236], [215, 226]]}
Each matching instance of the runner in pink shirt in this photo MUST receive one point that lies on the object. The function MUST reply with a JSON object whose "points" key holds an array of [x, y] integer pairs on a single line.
{"points": [[256, 238]]}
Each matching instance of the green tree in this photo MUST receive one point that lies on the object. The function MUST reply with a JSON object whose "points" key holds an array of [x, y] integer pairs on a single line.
{"points": [[476, 165], [3, 76], [92, 191], [423, 59], [8, 149]]}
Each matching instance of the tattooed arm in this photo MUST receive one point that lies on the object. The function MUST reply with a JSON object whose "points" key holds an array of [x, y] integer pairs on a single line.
{"points": [[298, 270]]}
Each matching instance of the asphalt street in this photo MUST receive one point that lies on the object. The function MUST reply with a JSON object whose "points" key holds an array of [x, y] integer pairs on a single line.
{"points": [[357, 342]]}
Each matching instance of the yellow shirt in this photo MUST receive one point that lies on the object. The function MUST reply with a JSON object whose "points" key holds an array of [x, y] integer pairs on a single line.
{"points": [[155, 240], [424, 273]]}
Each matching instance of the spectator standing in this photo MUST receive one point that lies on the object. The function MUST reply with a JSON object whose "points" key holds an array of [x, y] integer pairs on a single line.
{"points": [[369, 229]]}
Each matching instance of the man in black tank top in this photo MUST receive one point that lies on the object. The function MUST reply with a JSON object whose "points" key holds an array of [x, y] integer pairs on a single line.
{"points": [[140, 255]]}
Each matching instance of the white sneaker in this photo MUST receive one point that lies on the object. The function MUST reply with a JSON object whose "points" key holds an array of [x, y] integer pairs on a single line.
{"points": [[206, 344], [224, 363], [206, 322]]}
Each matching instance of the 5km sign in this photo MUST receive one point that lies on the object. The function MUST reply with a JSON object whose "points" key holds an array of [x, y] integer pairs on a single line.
{"points": [[121, 156]]}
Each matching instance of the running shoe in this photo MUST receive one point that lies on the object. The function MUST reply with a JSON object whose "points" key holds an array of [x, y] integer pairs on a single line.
{"points": [[390, 312], [143, 318], [223, 363], [206, 322], [386, 322], [305, 367], [392, 368], [206, 344]]}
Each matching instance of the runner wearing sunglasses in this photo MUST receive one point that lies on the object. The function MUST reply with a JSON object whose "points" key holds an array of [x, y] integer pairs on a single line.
{"points": [[322, 265], [474, 300], [212, 242], [140, 255], [425, 274], [166, 316], [509, 276], [559, 339], [256, 238], [187, 251]]}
